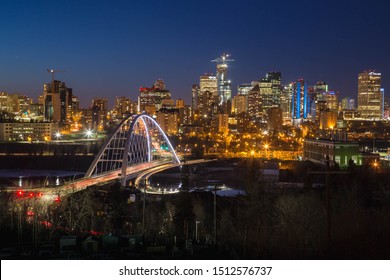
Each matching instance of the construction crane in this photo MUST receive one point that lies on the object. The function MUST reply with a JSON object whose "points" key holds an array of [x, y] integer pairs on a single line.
{"points": [[224, 58], [52, 71]]}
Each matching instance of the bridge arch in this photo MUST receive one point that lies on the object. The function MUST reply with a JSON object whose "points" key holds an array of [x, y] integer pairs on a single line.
{"points": [[137, 140]]}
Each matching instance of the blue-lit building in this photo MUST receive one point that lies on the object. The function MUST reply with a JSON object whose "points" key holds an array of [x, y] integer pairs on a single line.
{"points": [[299, 102]]}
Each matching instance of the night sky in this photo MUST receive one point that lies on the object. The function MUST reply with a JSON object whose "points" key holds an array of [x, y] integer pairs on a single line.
{"points": [[111, 48]]}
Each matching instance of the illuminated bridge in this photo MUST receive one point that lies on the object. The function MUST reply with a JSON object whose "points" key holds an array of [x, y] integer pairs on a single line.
{"points": [[137, 146]]}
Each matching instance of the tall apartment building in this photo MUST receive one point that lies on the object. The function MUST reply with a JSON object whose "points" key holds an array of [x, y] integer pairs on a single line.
{"points": [[99, 113], [122, 107], [57, 99], [168, 120]]}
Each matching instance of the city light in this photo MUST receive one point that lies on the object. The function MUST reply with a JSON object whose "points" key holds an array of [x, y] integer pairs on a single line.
{"points": [[88, 133], [57, 135]]}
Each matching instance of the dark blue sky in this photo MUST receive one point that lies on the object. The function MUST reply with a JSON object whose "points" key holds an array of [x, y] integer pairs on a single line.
{"points": [[111, 48]]}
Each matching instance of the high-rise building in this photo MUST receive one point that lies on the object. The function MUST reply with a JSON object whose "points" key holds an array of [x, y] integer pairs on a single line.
{"points": [[244, 89], [347, 103], [285, 103], [254, 103], [223, 123], [99, 113], [370, 99], [208, 98], [275, 119], [330, 97], [240, 104], [223, 83], [275, 78], [57, 99], [168, 120], [75, 104], [299, 102], [153, 96], [122, 107], [195, 96], [315, 94]]}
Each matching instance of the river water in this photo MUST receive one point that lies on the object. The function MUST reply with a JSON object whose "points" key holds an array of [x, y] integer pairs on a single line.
{"points": [[36, 178]]}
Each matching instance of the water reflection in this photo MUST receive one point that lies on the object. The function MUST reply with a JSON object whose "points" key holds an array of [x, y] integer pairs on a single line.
{"points": [[37, 178], [169, 183]]}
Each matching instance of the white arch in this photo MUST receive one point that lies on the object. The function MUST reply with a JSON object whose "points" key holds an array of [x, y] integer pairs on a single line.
{"points": [[107, 158]]}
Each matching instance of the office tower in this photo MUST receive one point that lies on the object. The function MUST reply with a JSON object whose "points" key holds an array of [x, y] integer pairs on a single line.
{"points": [[223, 83], [75, 104], [370, 99], [240, 104], [57, 99], [244, 89], [347, 103], [208, 96], [285, 102], [150, 99], [299, 102], [195, 96], [254, 103], [265, 89], [179, 103], [314, 95], [330, 97], [275, 78]]}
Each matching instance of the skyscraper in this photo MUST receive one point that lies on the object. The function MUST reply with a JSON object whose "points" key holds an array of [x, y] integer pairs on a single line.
{"points": [[223, 84], [370, 99], [150, 99], [299, 102], [208, 96], [195, 97]]}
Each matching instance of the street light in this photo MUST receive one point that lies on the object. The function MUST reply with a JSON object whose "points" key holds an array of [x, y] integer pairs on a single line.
{"points": [[88, 133], [57, 135]]}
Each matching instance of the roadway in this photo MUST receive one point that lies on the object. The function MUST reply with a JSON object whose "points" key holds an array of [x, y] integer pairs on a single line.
{"points": [[144, 177], [140, 172]]}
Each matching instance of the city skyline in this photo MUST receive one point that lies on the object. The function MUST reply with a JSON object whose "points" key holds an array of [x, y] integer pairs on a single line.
{"points": [[112, 50]]}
